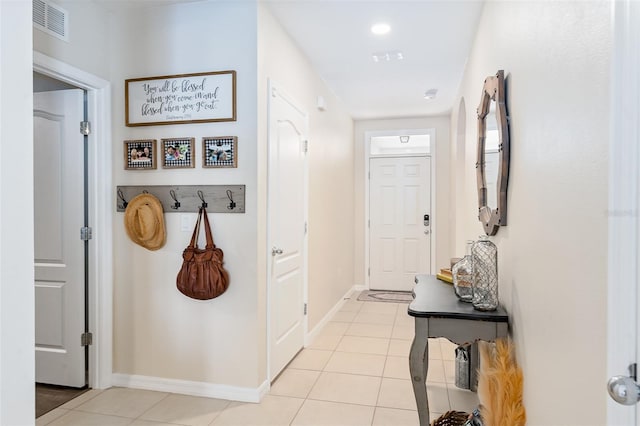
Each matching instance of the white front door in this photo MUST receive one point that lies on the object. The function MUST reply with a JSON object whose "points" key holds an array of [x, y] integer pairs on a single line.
{"points": [[59, 251], [399, 227], [286, 217]]}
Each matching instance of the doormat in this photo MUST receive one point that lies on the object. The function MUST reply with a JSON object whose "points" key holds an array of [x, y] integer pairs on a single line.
{"points": [[386, 296], [49, 397]]}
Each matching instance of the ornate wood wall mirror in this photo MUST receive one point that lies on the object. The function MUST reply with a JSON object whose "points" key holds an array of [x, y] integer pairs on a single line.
{"points": [[492, 166]]}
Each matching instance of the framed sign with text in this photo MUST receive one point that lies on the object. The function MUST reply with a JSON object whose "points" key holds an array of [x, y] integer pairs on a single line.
{"points": [[179, 99]]}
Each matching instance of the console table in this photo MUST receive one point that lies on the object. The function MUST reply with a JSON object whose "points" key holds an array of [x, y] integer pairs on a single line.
{"points": [[439, 313]]}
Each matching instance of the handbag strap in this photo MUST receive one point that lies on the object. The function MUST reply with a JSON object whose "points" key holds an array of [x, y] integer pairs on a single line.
{"points": [[196, 230], [207, 230]]}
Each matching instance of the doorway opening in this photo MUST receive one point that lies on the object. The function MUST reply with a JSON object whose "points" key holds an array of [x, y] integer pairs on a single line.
{"points": [[94, 150], [60, 257], [399, 203]]}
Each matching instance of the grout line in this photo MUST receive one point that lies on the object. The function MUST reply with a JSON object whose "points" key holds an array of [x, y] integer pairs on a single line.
{"points": [[101, 414], [298, 411], [84, 402], [147, 410]]}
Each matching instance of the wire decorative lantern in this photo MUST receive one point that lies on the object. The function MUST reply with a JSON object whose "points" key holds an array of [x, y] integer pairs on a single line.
{"points": [[485, 270]]}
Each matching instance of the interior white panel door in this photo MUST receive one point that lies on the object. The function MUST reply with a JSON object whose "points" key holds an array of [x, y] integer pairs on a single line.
{"points": [[399, 241], [287, 215], [59, 251]]}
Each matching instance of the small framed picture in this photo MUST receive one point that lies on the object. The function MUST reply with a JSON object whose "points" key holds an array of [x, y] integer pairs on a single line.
{"points": [[220, 151], [140, 154], [178, 153]]}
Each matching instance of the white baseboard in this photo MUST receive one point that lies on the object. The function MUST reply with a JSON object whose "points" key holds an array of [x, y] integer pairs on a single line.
{"points": [[185, 387], [310, 336], [360, 287]]}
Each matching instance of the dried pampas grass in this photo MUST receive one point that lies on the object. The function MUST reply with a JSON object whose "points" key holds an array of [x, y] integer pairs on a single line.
{"points": [[500, 385]]}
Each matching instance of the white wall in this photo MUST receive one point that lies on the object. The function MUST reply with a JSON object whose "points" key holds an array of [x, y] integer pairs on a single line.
{"points": [[553, 253], [330, 164], [17, 355], [457, 172], [441, 216], [158, 332], [89, 38]]}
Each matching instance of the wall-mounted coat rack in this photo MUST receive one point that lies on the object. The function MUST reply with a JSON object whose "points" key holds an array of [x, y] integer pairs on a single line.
{"points": [[187, 198]]}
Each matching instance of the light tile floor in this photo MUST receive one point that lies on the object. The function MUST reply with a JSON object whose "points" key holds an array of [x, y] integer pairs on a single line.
{"points": [[356, 372]]}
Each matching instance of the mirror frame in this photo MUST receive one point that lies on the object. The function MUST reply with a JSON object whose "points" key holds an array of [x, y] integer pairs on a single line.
{"points": [[493, 90]]}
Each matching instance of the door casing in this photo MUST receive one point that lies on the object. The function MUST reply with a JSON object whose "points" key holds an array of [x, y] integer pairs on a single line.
{"points": [[433, 219], [623, 280], [101, 208]]}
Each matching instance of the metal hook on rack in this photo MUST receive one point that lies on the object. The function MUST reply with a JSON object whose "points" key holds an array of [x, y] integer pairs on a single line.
{"points": [[176, 205], [232, 204], [201, 195], [144, 191], [121, 196]]}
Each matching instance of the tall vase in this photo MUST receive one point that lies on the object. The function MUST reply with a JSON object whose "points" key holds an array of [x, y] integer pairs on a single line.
{"points": [[462, 273], [484, 255]]}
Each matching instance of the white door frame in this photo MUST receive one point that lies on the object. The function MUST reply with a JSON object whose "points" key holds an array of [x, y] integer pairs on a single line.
{"points": [[101, 209], [433, 217], [275, 89], [623, 215]]}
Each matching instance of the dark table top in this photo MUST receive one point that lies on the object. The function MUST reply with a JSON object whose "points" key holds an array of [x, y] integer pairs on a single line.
{"points": [[436, 299]]}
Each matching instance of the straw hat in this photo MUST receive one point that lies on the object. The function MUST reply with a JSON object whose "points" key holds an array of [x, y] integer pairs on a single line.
{"points": [[144, 221]]}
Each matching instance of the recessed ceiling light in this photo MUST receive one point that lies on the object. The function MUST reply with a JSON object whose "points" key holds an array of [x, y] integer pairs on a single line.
{"points": [[380, 28], [430, 94], [387, 56]]}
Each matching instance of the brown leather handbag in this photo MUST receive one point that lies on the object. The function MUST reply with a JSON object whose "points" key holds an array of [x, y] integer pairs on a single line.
{"points": [[202, 275]]}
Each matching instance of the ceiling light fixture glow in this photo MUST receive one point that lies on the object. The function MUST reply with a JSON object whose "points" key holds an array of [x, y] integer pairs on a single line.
{"points": [[387, 56], [380, 28]]}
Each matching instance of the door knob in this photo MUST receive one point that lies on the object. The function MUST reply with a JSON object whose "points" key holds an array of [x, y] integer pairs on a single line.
{"points": [[275, 251], [624, 390]]}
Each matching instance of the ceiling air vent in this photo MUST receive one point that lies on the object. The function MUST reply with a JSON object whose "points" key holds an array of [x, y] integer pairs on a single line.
{"points": [[51, 18]]}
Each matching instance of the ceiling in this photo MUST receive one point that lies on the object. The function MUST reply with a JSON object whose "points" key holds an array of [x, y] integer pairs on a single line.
{"points": [[434, 36]]}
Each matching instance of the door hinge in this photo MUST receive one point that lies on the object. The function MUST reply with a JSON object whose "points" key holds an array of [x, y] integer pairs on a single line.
{"points": [[306, 228], [369, 271], [86, 339], [305, 146], [369, 223], [85, 127], [86, 233], [305, 309]]}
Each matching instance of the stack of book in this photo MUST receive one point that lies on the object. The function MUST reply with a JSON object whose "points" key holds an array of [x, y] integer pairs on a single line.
{"points": [[445, 275]]}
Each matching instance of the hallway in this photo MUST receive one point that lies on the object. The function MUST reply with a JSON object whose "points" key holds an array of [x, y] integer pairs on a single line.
{"points": [[355, 373]]}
